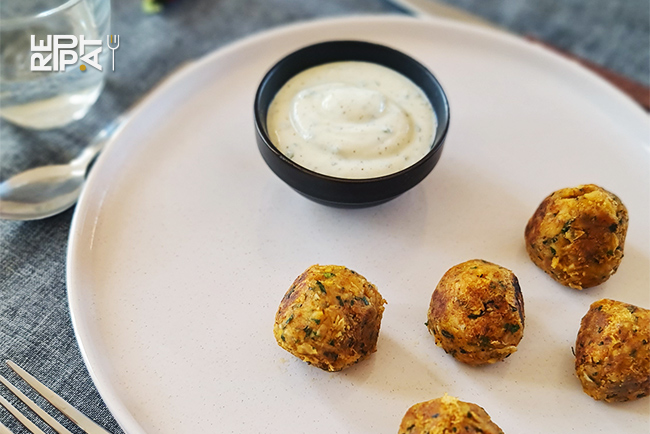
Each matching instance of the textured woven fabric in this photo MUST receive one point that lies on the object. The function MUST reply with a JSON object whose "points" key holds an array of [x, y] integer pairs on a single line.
{"points": [[611, 33], [35, 327]]}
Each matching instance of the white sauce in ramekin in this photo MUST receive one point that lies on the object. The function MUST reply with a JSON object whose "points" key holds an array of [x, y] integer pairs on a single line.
{"points": [[352, 120]]}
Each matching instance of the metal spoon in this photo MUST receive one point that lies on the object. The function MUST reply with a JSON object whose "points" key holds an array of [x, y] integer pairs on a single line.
{"points": [[48, 190]]}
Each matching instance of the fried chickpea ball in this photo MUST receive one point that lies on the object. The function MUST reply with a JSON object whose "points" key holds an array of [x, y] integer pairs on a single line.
{"points": [[477, 312], [447, 415], [612, 351], [577, 235], [329, 317]]}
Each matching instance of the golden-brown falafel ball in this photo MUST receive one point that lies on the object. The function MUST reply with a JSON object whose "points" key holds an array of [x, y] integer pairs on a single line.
{"points": [[477, 312], [329, 317], [613, 351], [447, 415], [577, 235]]}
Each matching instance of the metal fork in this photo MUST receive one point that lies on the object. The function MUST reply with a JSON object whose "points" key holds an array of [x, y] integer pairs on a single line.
{"points": [[72, 413]]}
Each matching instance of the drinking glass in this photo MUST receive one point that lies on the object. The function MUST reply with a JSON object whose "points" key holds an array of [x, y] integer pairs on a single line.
{"points": [[40, 99]]}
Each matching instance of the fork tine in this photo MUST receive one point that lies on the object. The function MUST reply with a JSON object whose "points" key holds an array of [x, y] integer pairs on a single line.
{"points": [[61, 404], [4, 429], [18, 415], [35, 408]]}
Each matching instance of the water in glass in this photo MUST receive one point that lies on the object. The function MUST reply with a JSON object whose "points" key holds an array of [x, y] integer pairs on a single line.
{"points": [[39, 99]]}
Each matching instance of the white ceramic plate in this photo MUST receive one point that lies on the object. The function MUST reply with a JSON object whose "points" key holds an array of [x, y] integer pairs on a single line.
{"points": [[184, 242]]}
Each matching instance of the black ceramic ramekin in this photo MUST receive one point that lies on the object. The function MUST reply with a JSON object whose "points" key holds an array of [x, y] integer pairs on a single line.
{"points": [[344, 192]]}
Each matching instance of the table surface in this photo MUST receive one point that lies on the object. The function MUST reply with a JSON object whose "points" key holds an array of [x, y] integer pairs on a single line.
{"points": [[35, 327]]}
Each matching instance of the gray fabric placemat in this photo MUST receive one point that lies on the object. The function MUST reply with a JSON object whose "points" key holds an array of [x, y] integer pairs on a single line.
{"points": [[614, 34], [35, 327]]}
